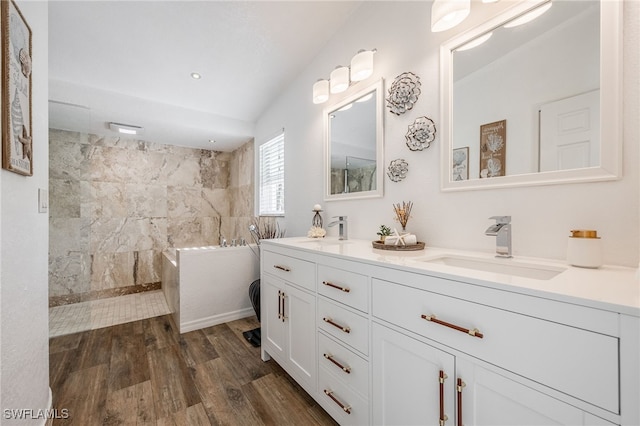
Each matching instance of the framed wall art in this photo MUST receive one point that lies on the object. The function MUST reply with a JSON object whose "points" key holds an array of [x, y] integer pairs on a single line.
{"points": [[460, 164], [493, 149], [17, 146]]}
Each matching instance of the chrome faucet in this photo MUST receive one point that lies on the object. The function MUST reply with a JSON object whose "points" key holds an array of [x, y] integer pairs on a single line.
{"points": [[502, 231], [342, 226]]}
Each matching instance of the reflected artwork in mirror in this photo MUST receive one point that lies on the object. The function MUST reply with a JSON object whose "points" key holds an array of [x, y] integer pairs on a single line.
{"points": [[353, 146], [555, 80]]}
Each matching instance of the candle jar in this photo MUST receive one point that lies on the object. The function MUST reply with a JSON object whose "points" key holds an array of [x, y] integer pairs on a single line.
{"points": [[584, 249]]}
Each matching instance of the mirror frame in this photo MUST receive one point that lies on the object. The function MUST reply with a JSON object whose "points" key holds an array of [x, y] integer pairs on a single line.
{"points": [[611, 130], [378, 86]]}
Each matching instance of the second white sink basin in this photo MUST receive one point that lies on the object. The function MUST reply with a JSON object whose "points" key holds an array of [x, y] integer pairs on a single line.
{"points": [[499, 266]]}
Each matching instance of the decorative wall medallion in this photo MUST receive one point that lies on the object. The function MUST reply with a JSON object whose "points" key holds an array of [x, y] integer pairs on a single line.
{"points": [[420, 134], [403, 93], [397, 170]]}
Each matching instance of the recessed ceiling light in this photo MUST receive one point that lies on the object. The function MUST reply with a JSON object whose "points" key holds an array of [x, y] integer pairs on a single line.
{"points": [[212, 140], [127, 129], [196, 76]]}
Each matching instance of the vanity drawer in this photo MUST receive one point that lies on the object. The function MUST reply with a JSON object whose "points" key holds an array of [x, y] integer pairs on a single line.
{"points": [[296, 271], [344, 286], [342, 403], [344, 325], [578, 362], [348, 367]]}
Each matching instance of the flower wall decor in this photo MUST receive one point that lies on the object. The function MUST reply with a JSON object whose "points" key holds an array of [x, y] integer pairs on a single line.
{"points": [[420, 134], [403, 93], [397, 170]]}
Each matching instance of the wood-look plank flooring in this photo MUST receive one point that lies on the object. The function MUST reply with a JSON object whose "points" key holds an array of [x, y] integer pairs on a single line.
{"points": [[145, 373]]}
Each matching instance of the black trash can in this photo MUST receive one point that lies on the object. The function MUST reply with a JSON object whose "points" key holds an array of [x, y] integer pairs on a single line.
{"points": [[253, 336]]}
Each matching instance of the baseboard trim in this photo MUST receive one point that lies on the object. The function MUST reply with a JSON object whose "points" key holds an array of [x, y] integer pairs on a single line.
{"points": [[215, 320]]}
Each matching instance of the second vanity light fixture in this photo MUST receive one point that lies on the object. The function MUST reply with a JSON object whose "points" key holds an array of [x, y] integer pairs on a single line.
{"points": [[446, 14], [341, 78]]}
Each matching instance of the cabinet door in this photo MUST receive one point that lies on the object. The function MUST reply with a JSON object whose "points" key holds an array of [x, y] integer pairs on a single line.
{"points": [[273, 328], [300, 312], [489, 398], [406, 380]]}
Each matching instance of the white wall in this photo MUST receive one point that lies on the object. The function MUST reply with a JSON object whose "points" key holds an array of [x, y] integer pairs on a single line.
{"points": [[542, 216], [24, 335]]}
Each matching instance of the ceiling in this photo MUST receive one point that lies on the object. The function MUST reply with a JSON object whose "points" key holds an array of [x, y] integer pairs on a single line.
{"points": [[130, 62]]}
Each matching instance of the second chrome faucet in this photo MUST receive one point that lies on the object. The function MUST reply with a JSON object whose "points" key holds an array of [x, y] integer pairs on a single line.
{"points": [[502, 231]]}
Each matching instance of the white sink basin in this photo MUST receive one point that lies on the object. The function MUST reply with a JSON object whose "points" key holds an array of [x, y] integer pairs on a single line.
{"points": [[499, 266], [324, 242]]}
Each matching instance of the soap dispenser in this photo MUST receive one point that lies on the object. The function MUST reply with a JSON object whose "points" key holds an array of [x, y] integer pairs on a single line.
{"points": [[584, 249]]}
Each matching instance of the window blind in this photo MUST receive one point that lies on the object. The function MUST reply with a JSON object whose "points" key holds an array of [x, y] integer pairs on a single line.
{"points": [[272, 177]]}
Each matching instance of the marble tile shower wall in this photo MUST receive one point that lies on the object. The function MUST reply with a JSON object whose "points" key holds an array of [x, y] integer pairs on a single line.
{"points": [[116, 204]]}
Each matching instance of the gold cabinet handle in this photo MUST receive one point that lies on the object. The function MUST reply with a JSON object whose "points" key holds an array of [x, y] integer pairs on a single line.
{"points": [[474, 332], [279, 304], [341, 327], [443, 417], [459, 386], [282, 297], [282, 268], [330, 284], [340, 366], [345, 408]]}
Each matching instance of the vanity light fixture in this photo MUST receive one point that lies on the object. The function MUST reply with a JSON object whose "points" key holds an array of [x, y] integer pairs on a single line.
{"points": [[362, 65], [475, 43], [339, 79], [127, 129], [320, 91], [529, 16], [342, 77], [446, 14]]}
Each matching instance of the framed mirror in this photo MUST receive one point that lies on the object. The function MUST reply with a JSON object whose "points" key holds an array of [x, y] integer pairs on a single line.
{"points": [[354, 145], [536, 103]]}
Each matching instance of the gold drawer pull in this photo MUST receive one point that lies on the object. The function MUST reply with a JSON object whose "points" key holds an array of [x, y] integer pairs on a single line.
{"points": [[475, 332], [459, 387], [282, 268], [345, 408], [343, 328], [443, 417], [330, 284], [342, 367]]}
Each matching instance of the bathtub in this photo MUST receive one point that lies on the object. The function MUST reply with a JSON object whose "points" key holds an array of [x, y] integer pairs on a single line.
{"points": [[206, 286]]}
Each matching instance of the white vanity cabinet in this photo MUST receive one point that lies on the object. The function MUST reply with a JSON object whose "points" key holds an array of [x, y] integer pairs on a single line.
{"points": [[412, 381], [288, 305], [566, 359], [377, 338], [343, 336]]}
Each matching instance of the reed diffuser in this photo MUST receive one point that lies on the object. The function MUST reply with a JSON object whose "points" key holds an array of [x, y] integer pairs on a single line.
{"points": [[403, 213]]}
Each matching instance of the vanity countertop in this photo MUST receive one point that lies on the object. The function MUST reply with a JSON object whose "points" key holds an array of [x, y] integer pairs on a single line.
{"points": [[613, 288]]}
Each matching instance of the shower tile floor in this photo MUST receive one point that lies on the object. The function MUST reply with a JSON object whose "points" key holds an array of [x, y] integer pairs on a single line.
{"points": [[68, 319]]}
